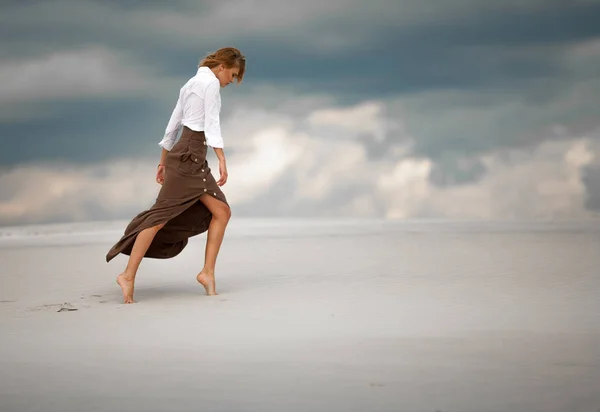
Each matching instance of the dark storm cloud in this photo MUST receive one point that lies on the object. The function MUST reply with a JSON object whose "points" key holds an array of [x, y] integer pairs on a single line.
{"points": [[377, 149], [88, 131], [591, 180], [452, 170], [392, 57], [389, 58], [353, 51]]}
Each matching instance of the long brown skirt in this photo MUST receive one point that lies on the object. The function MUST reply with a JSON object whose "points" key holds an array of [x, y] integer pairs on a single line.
{"points": [[187, 177]]}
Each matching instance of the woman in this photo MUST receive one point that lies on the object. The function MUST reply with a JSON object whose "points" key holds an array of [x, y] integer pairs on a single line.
{"points": [[190, 201]]}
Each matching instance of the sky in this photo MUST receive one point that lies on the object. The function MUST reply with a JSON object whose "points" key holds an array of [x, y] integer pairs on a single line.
{"points": [[387, 109]]}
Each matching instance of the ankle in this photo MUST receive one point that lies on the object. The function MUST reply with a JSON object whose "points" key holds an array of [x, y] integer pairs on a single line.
{"points": [[128, 275], [209, 272]]}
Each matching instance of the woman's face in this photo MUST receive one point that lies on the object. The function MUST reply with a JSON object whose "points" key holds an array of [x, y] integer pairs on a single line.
{"points": [[227, 76]]}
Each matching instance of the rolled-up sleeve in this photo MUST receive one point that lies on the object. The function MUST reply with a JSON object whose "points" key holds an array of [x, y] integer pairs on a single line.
{"points": [[212, 108], [168, 140]]}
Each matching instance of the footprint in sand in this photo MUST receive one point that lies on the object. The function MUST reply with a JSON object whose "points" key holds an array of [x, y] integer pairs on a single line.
{"points": [[58, 307], [67, 306], [95, 297], [100, 301]]}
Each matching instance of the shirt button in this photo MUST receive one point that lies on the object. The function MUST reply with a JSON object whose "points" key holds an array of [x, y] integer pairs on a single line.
{"points": [[205, 190], [202, 170], [204, 180]]}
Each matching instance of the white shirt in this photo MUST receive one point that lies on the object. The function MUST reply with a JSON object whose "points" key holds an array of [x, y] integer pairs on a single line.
{"points": [[198, 108]]}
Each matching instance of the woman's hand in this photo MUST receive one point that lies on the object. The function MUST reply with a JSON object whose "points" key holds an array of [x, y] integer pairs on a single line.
{"points": [[160, 174], [223, 171]]}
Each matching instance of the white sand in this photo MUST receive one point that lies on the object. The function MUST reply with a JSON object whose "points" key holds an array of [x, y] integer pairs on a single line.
{"points": [[310, 317]]}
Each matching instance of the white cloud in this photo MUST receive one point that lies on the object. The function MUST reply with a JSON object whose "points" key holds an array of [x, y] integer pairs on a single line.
{"points": [[335, 176], [544, 183], [367, 117], [48, 192], [254, 171], [309, 144], [405, 187], [327, 164]]}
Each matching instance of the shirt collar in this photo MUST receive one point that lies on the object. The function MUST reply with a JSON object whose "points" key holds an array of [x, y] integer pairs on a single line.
{"points": [[204, 69]]}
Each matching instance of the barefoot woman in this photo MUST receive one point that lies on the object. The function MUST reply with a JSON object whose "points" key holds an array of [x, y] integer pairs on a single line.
{"points": [[190, 201]]}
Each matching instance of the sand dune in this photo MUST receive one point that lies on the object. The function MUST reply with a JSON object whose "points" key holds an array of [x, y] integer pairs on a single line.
{"points": [[311, 316]]}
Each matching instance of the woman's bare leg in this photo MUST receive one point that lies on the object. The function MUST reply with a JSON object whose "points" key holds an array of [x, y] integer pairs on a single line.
{"points": [[221, 213], [127, 279]]}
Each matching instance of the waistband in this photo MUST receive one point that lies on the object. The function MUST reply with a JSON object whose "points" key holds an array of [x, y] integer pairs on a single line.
{"points": [[188, 133]]}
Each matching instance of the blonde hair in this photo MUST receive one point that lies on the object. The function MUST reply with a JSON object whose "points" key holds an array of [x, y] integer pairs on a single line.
{"points": [[228, 57]]}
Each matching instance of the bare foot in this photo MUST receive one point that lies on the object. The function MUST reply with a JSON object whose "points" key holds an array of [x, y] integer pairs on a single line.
{"points": [[208, 281], [126, 284]]}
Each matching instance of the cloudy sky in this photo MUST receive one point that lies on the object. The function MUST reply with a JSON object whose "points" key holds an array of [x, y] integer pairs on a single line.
{"points": [[464, 109]]}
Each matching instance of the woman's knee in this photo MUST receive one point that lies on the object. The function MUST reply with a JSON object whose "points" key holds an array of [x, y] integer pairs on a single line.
{"points": [[218, 208], [227, 212], [223, 212]]}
